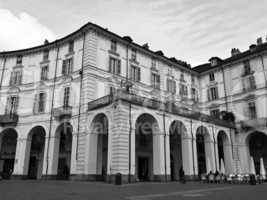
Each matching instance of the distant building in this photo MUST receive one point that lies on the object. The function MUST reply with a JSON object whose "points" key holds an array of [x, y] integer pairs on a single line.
{"points": [[94, 104]]}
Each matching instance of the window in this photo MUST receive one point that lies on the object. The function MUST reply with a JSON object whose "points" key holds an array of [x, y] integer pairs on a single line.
{"points": [[46, 55], [249, 83], [113, 46], [39, 103], [44, 73], [215, 113], [12, 105], [194, 94], [183, 91], [155, 81], [193, 80], [212, 78], [171, 86], [153, 63], [71, 46], [114, 66], [133, 56], [252, 110], [16, 77], [213, 93], [19, 60], [247, 69], [67, 66], [135, 74], [66, 97], [182, 76]]}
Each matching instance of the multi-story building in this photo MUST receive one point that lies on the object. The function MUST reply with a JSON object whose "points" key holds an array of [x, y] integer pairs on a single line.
{"points": [[94, 104]]}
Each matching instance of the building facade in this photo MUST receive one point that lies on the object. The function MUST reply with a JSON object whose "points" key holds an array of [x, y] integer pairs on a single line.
{"points": [[94, 104]]}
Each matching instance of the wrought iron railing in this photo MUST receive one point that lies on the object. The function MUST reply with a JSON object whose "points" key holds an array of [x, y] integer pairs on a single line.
{"points": [[62, 112], [169, 107], [9, 119]]}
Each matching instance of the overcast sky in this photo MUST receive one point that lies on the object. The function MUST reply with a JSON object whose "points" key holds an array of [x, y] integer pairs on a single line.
{"points": [[191, 30]]}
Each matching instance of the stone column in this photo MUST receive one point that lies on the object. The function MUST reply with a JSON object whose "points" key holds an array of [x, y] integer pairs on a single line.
{"points": [[195, 155], [210, 154], [187, 155], [50, 163], [22, 158], [158, 157], [133, 157]]}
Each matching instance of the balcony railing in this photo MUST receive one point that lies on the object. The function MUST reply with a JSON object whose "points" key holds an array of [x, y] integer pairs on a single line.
{"points": [[169, 107], [9, 119], [62, 112], [253, 123]]}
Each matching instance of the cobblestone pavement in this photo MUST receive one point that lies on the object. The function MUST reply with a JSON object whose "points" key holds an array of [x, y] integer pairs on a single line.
{"points": [[67, 190]]}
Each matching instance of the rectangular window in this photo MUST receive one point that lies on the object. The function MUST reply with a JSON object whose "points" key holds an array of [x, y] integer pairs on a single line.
{"points": [[71, 46], [114, 66], [135, 73], [12, 105], [155, 80], [113, 46], [215, 113], [153, 63], [45, 55], [66, 97], [211, 75], [16, 77], [171, 86], [252, 110], [41, 102], [194, 94], [182, 76], [133, 56], [67, 66], [44, 73], [247, 69], [249, 83], [213, 93], [183, 91], [19, 60]]}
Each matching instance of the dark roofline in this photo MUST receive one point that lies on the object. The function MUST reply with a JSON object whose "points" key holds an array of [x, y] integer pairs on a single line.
{"points": [[178, 64], [251, 52]]}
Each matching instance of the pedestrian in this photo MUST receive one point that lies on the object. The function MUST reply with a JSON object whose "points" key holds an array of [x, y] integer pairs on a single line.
{"points": [[182, 175]]}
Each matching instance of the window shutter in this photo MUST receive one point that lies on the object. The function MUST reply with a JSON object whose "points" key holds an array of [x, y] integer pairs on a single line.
{"points": [[44, 102], [174, 86], [119, 68], [64, 67], [216, 93], [110, 65], [209, 94], [7, 109], [139, 74], [35, 103], [16, 105], [11, 78], [71, 65]]}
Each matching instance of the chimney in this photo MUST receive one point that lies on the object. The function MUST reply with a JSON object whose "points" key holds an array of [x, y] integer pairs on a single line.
{"points": [[46, 41], [146, 46], [235, 51], [252, 47], [259, 41]]}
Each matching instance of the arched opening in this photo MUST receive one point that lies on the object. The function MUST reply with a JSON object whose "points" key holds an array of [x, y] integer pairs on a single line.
{"points": [[258, 149], [37, 138], [201, 138], [64, 132], [8, 143], [146, 129], [100, 139], [177, 130]]}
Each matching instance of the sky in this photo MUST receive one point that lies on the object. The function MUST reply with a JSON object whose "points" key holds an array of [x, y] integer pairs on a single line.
{"points": [[190, 30]]}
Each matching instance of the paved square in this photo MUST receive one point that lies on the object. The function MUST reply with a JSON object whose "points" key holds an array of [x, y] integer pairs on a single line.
{"points": [[67, 190]]}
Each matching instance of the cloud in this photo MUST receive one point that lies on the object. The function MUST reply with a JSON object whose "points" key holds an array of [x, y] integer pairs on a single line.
{"points": [[21, 31]]}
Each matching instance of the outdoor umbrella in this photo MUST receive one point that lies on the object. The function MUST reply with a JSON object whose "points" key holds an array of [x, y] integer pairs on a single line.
{"points": [[262, 169], [222, 168], [252, 166]]}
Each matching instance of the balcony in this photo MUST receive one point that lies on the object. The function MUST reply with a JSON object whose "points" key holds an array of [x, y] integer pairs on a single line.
{"points": [[9, 120], [253, 123], [62, 112], [169, 107]]}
